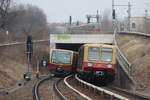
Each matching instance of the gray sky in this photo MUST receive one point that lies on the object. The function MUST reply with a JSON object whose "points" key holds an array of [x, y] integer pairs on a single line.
{"points": [[60, 10]]}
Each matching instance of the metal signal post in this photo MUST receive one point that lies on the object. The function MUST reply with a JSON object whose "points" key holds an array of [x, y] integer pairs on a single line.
{"points": [[29, 51]]}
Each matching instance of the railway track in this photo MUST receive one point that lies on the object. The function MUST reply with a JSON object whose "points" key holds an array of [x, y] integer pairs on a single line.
{"points": [[81, 92], [110, 96], [43, 89], [112, 93], [67, 92], [71, 88], [94, 92], [57, 90], [129, 94]]}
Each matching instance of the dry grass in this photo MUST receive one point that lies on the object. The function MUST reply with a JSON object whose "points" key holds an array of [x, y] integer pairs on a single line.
{"points": [[14, 62], [137, 51]]}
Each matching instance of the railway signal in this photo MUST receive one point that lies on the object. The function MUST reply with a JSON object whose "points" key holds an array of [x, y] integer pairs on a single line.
{"points": [[113, 14], [29, 48], [29, 51], [44, 62]]}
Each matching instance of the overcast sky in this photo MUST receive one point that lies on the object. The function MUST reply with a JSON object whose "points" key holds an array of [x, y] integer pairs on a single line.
{"points": [[60, 10]]}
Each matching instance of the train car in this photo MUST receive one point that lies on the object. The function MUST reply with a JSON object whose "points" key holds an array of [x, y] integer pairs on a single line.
{"points": [[97, 62], [62, 62]]}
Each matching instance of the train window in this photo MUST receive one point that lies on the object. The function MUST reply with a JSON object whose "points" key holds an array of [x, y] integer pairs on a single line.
{"points": [[93, 54], [61, 57], [106, 54]]}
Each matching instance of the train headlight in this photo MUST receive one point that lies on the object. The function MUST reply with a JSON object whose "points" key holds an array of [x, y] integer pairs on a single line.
{"points": [[109, 66], [90, 64], [60, 68]]}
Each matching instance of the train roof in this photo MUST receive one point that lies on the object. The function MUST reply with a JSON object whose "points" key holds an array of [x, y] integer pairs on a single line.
{"points": [[100, 45], [63, 50]]}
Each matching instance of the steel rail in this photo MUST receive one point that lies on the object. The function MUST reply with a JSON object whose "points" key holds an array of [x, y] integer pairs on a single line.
{"points": [[36, 87], [103, 91], [134, 94], [55, 86], [81, 94], [126, 65]]}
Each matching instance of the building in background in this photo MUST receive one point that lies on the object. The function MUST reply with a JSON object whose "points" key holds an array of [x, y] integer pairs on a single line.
{"points": [[137, 24]]}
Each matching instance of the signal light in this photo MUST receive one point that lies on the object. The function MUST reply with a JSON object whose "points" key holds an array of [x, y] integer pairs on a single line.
{"points": [[114, 14], [29, 44]]}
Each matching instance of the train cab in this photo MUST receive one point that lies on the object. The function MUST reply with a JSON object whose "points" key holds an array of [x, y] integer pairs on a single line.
{"points": [[97, 61], [62, 62]]}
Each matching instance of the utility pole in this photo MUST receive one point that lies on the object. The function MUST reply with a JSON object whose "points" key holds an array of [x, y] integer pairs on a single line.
{"points": [[128, 11], [129, 16], [97, 17], [88, 19], [70, 20], [146, 29], [146, 14], [113, 15], [113, 5]]}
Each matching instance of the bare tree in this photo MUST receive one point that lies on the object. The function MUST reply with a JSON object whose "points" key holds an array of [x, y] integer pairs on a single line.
{"points": [[4, 6], [27, 19]]}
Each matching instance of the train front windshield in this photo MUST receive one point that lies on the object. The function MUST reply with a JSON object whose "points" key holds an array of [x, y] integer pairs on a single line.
{"points": [[94, 54], [106, 54], [61, 57], [97, 54]]}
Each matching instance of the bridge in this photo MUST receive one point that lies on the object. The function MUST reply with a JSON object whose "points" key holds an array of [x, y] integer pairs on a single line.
{"points": [[81, 38]]}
